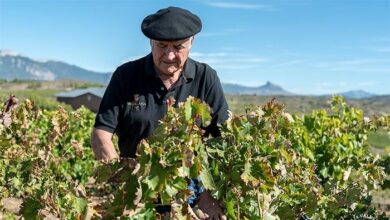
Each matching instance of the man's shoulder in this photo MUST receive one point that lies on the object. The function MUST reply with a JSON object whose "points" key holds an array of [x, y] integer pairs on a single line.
{"points": [[203, 69]]}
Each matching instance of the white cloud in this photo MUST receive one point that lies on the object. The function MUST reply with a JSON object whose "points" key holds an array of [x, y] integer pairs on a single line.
{"points": [[256, 60], [199, 54], [231, 61], [224, 32], [289, 63], [238, 5], [226, 66], [8, 53], [382, 39], [324, 84], [356, 65], [381, 44], [358, 62], [329, 87], [342, 86], [367, 84], [357, 69], [383, 49]]}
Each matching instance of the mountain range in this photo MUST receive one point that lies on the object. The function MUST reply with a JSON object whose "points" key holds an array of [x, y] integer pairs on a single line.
{"points": [[357, 94], [266, 89], [15, 66]]}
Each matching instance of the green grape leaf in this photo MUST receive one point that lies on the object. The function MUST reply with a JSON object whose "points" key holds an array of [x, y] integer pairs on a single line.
{"points": [[196, 168], [207, 179], [204, 113], [80, 205], [230, 209], [188, 110], [30, 208]]}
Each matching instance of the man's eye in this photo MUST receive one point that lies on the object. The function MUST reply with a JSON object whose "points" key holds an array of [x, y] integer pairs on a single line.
{"points": [[179, 47], [161, 45]]}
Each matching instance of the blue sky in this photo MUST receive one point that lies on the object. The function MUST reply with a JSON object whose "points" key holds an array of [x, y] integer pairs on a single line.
{"points": [[306, 46]]}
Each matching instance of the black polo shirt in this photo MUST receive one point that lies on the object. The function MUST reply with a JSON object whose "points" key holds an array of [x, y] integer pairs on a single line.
{"points": [[136, 99]]}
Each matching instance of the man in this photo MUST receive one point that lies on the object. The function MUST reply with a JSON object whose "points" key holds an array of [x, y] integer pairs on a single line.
{"points": [[136, 97]]}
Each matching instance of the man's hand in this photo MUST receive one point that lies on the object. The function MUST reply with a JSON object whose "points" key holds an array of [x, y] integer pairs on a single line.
{"points": [[210, 207]]}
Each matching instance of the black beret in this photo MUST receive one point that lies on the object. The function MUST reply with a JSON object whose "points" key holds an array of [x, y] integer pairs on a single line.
{"points": [[171, 23]]}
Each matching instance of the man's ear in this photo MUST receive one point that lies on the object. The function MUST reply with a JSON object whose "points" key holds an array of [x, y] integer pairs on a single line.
{"points": [[192, 41], [150, 42]]}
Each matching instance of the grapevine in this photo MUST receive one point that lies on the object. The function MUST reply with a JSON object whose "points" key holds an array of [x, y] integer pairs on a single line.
{"points": [[267, 164]]}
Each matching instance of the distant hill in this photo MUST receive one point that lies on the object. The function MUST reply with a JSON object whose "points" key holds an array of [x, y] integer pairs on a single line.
{"points": [[352, 94], [357, 94], [15, 66], [267, 89]]}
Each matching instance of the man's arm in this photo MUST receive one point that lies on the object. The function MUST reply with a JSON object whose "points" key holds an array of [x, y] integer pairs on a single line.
{"points": [[102, 145], [215, 98]]}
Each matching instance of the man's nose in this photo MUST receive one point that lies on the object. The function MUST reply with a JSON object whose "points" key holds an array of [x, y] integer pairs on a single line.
{"points": [[170, 53]]}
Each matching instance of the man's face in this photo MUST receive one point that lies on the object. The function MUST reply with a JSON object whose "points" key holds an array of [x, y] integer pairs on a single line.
{"points": [[169, 57]]}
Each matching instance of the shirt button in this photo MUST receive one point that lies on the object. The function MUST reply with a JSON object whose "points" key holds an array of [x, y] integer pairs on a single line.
{"points": [[162, 88]]}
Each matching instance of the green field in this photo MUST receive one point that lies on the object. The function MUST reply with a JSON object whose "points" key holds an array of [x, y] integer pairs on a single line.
{"points": [[380, 139], [306, 104]]}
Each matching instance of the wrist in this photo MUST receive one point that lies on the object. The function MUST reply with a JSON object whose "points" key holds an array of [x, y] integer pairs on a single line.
{"points": [[106, 156]]}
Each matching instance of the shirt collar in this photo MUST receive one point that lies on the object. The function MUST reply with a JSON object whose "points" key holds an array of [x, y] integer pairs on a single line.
{"points": [[189, 69], [149, 66], [188, 73]]}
